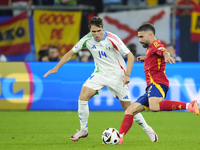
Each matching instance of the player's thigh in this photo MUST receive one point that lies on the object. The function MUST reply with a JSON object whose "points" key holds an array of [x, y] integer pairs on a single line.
{"points": [[122, 93], [154, 103], [134, 108], [115, 86], [86, 93], [125, 104], [143, 100], [91, 86], [156, 94]]}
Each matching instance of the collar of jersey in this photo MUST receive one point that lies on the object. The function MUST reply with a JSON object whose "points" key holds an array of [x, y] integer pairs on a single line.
{"points": [[104, 37]]}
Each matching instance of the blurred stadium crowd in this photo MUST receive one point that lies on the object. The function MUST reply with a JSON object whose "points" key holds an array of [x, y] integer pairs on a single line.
{"points": [[51, 53]]}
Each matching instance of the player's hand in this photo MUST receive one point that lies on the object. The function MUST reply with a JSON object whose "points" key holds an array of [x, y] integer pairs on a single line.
{"points": [[170, 60], [126, 80], [140, 58], [50, 72]]}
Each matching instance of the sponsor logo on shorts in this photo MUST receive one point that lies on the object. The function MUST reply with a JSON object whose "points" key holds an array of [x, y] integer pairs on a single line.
{"points": [[126, 97]]}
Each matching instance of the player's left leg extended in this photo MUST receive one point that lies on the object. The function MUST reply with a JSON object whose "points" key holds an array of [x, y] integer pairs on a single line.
{"points": [[156, 96], [168, 105]]}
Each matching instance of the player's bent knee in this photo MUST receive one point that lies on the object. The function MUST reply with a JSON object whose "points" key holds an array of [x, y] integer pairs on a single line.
{"points": [[131, 110], [83, 98], [125, 104], [128, 111], [154, 108]]}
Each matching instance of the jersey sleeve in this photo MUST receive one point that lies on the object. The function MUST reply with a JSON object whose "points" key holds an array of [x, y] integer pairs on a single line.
{"points": [[123, 49], [118, 44], [81, 43], [160, 51], [158, 48]]}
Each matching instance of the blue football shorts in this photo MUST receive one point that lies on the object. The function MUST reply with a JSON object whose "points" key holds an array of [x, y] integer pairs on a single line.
{"points": [[153, 90]]}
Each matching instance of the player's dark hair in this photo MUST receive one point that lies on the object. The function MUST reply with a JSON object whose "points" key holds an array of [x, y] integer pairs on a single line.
{"points": [[171, 45], [54, 47], [147, 27], [95, 21], [132, 48]]}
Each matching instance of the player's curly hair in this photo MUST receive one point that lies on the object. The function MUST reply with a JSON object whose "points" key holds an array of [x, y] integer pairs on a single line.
{"points": [[147, 27], [95, 21]]}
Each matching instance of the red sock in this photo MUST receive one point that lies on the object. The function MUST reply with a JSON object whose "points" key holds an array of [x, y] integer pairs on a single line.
{"points": [[168, 105], [126, 124]]}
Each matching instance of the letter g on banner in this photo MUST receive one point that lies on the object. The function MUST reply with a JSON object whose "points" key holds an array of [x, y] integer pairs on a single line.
{"points": [[56, 19]]}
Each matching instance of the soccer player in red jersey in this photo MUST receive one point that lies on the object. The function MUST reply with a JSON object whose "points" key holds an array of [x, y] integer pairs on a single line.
{"points": [[157, 82]]}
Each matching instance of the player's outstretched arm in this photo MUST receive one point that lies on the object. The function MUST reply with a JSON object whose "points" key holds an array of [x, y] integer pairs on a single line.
{"points": [[140, 58], [64, 59], [168, 58]]}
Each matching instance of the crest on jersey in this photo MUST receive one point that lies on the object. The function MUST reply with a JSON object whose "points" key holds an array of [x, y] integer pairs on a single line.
{"points": [[107, 45], [108, 48]]}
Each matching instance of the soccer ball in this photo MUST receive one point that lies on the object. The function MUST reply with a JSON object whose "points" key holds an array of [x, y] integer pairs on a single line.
{"points": [[110, 136]]}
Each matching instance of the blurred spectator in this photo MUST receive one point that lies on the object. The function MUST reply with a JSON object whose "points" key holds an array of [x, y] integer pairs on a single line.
{"points": [[3, 58], [172, 50], [84, 55], [20, 3], [65, 2], [43, 55], [5, 12], [133, 48], [185, 12], [54, 53]]}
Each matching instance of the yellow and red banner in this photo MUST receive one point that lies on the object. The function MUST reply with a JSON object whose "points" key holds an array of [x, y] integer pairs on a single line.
{"points": [[195, 24], [56, 28], [14, 35]]}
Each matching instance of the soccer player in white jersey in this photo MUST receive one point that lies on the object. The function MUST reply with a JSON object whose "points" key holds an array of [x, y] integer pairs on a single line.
{"points": [[110, 71]]}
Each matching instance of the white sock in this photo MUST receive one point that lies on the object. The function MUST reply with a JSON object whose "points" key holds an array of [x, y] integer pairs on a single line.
{"points": [[187, 104], [83, 112], [140, 121], [121, 135]]}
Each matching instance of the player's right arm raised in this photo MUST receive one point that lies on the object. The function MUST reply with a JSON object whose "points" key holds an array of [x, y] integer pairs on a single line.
{"points": [[64, 59]]}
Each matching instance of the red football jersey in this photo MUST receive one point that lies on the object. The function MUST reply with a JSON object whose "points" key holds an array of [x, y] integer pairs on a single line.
{"points": [[155, 65]]}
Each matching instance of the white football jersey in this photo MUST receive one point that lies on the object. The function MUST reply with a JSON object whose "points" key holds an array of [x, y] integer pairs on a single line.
{"points": [[106, 53]]}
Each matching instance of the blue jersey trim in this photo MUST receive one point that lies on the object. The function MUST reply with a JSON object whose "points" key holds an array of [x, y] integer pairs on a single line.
{"points": [[104, 37]]}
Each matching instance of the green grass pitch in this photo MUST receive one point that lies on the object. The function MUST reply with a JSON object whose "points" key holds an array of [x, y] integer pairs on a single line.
{"points": [[51, 130]]}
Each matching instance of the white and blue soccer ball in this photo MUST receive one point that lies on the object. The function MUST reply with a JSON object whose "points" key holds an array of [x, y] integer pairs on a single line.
{"points": [[110, 136]]}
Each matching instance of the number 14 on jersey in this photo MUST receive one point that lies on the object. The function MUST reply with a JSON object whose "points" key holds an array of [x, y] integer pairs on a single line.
{"points": [[102, 53]]}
